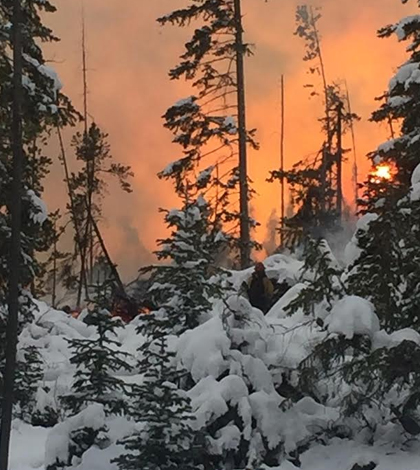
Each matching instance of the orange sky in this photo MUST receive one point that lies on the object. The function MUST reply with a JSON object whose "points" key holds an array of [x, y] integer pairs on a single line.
{"points": [[130, 54]]}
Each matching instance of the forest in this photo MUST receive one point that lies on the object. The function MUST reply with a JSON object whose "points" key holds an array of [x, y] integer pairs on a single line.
{"points": [[224, 351]]}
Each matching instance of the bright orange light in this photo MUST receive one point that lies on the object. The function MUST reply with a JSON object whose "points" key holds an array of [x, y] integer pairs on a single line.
{"points": [[382, 172]]}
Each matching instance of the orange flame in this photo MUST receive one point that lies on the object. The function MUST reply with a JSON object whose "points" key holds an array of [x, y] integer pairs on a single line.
{"points": [[382, 172]]}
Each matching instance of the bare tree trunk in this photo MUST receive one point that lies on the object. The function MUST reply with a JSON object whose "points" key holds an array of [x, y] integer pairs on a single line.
{"points": [[243, 171], [77, 228], [15, 249], [54, 286], [355, 165], [324, 78], [111, 265], [339, 163], [282, 204], [86, 244], [326, 151]]}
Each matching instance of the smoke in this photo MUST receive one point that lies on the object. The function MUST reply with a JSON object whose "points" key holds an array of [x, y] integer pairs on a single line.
{"points": [[129, 91], [133, 254], [270, 244]]}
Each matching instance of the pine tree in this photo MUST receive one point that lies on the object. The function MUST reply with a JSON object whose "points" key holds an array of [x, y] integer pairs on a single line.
{"points": [[315, 183], [236, 405], [210, 126], [183, 287], [29, 374], [382, 379], [97, 362], [88, 188], [324, 286], [400, 104], [386, 270], [43, 104], [378, 272], [166, 440]]}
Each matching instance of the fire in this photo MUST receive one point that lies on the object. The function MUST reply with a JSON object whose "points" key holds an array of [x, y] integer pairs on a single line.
{"points": [[382, 172]]}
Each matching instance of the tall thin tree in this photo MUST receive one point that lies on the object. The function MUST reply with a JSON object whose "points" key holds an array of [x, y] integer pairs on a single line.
{"points": [[87, 244], [282, 182], [211, 125], [15, 251], [242, 134]]}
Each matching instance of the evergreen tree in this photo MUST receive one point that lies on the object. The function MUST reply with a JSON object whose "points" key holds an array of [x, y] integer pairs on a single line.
{"points": [[321, 273], [236, 405], [165, 440], [378, 272], [29, 373], [96, 392], [209, 126], [183, 287], [386, 270], [88, 188], [97, 362], [315, 183], [43, 104], [381, 379], [400, 103]]}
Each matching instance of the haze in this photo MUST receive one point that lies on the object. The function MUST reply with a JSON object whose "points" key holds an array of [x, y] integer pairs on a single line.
{"points": [[129, 55]]}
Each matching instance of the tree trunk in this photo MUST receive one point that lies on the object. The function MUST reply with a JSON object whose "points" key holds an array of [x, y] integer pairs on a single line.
{"points": [[339, 163], [77, 228], [282, 204], [243, 172], [111, 265], [15, 248]]}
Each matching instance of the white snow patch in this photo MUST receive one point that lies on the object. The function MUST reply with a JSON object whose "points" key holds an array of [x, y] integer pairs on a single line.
{"points": [[351, 316], [39, 211]]}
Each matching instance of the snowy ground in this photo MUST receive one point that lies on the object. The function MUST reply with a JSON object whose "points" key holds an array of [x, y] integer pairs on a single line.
{"points": [[287, 340]]}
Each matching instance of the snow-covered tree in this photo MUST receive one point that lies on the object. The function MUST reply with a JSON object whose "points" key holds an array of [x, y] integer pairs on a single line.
{"points": [[401, 103], [185, 285], [165, 439], [233, 394], [377, 273], [43, 106], [321, 275], [210, 125], [385, 270], [27, 381], [96, 386], [98, 362], [72, 438]]}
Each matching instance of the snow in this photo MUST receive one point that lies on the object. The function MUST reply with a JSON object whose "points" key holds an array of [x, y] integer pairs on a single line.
{"points": [[415, 184], [343, 454], [352, 250], [407, 75], [39, 211], [185, 101], [27, 446], [47, 72], [57, 445], [398, 101], [205, 175], [382, 339], [351, 316], [400, 29], [225, 376], [278, 310], [202, 350], [230, 124]]}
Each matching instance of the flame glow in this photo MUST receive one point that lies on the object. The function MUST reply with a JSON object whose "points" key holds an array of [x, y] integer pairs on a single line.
{"points": [[382, 172]]}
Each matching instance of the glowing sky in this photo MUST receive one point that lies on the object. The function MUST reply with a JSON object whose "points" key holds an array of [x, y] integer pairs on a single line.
{"points": [[129, 55]]}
